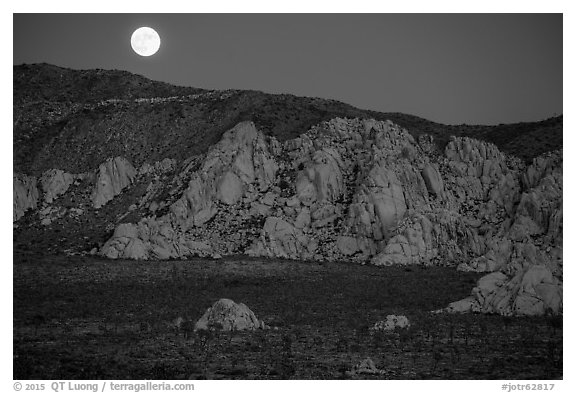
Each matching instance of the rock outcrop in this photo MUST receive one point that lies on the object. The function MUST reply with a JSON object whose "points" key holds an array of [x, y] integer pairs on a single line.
{"points": [[366, 366], [111, 178], [478, 165], [25, 194], [241, 160], [237, 168], [166, 165], [391, 323], [321, 180], [533, 291], [351, 184], [379, 204], [441, 234], [40, 194], [55, 182], [526, 260], [228, 316], [433, 180], [357, 190], [281, 239], [152, 239], [50, 214]]}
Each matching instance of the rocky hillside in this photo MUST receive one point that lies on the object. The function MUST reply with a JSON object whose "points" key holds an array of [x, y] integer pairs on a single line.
{"points": [[213, 173], [96, 114]]}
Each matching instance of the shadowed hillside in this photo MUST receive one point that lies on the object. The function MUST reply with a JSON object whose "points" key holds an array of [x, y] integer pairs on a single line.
{"points": [[92, 115]]}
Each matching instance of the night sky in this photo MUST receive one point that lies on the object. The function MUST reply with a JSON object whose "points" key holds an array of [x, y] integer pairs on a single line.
{"points": [[472, 68]]}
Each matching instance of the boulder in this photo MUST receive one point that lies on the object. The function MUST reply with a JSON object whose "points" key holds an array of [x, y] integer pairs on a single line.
{"points": [[413, 245], [421, 237], [230, 188], [366, 366], [269, 198], [476, 166], [541, 166], [496, 258], [111, 178], [303, 219], [387, 196], [25, 193], [540, 207], [281, 239], [226, 315], [475, 152], [244, 149], [378, 205], [506, 192], [159, 167], [152, 239], [347, 245], [391, 323], [532, 291], [126, 230], [196, 205], [259, 209], [433, 180], [538, 291], [50, 214], [135, 249], [55, 182], [125, 244], [321, 180]]}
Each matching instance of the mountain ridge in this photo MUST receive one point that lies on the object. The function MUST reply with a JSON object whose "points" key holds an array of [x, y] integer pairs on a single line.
{"points": [[97, 114]]}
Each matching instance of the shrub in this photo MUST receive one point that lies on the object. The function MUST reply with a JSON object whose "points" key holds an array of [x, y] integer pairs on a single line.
{"points": [[283, 184]]}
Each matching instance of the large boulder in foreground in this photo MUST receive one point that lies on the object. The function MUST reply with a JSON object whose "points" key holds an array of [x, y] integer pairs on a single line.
{"points": [[366, 366], [112, 177], [228, 316]]}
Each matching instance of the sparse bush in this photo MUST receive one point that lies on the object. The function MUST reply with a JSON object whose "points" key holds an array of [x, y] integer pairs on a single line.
{"points": [[319, 309], [407, 152], [283, 184]]}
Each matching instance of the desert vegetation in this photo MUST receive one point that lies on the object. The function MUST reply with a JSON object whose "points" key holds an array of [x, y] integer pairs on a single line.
{"points": [[87, 318]]}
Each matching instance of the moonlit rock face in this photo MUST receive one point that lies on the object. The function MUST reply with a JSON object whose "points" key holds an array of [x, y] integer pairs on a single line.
{"points": [[145, 41]]}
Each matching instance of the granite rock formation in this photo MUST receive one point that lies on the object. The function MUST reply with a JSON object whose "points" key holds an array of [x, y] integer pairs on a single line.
{"points": [[354, 190], [55, 182], [226, 315], [25, 193], [391, 323], [112, 177]]}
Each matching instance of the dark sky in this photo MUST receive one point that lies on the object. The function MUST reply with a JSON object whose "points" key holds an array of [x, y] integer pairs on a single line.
{"points": [[450, 68]]}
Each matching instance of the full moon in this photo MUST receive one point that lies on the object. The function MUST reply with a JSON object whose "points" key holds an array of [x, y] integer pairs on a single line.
{"points": [[145, 41]]}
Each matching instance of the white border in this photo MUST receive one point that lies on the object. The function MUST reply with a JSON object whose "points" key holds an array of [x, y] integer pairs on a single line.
{"points": [[357, 6]]}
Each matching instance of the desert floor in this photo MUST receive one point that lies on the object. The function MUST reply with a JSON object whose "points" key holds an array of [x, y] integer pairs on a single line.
{"points": [[88, 318]]}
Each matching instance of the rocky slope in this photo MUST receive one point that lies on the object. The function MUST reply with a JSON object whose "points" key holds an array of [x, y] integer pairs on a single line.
{"points": [[93, 115], [352, 189]]}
